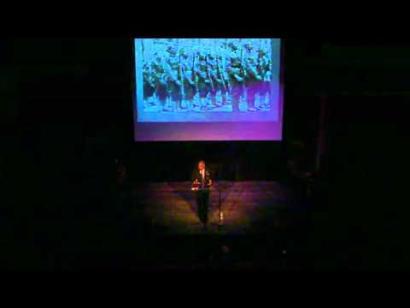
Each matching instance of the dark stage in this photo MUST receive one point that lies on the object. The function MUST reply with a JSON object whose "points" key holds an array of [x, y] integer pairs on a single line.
{"points": [[155, 227], [78, 192], [246, 207]]}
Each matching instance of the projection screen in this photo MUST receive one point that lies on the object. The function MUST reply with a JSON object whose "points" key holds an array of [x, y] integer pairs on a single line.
{"points": [[206, 89]]}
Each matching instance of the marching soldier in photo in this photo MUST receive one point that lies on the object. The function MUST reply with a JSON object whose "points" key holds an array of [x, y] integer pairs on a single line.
{"points": [[189, 79], [174, 78], [236, 79], [252, 77], [205, 84], [264, 69], [212, 75], [222, 79], [149, 85], [159, 81]]}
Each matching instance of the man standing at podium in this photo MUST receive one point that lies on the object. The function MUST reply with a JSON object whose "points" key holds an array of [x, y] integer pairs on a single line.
{"points": [[201, 182]]}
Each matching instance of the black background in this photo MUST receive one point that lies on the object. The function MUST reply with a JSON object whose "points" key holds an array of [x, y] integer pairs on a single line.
{"points": [[66, 114], [69, 104], [72, 99]]}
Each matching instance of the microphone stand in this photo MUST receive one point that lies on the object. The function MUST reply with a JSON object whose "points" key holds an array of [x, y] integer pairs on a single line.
{"points": [[220, 212]]}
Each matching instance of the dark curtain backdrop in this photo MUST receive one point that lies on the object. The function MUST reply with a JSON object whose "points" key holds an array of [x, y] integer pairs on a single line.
{"points": [[72, 103], [66, 114], [67, 109]]}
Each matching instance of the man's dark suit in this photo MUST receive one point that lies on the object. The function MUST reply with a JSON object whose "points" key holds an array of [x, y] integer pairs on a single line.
{"points": [[202, 195]]}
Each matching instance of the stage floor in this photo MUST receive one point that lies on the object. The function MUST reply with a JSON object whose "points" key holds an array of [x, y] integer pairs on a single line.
{"points": [[247, 207]]}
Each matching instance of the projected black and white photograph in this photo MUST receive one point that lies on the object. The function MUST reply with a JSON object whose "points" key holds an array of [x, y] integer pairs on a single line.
{"points": [[199, 77]]}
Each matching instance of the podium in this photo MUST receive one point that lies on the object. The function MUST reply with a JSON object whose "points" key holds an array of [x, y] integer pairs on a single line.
{"points": [[196, 187]]}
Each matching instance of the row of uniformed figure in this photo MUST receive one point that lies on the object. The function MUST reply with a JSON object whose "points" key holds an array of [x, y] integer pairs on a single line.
{"points": [[180, 81]]}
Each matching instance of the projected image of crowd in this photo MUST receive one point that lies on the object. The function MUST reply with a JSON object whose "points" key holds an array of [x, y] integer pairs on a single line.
{"points": [[206, 75]]}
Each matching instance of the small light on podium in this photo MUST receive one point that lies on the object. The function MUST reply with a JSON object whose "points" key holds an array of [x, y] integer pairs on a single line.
{"points": [[221, 218]]}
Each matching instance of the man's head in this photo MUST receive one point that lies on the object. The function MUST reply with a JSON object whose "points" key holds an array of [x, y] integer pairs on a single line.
{"points": [[183, 53], [172, 50], [261, 52], [201, 165], [232, 46], [248, 47]]}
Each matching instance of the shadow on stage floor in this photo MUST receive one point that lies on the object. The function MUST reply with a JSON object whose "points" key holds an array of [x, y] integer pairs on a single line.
{"points": [[155, 227], [158, 229], [235, 207]]}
